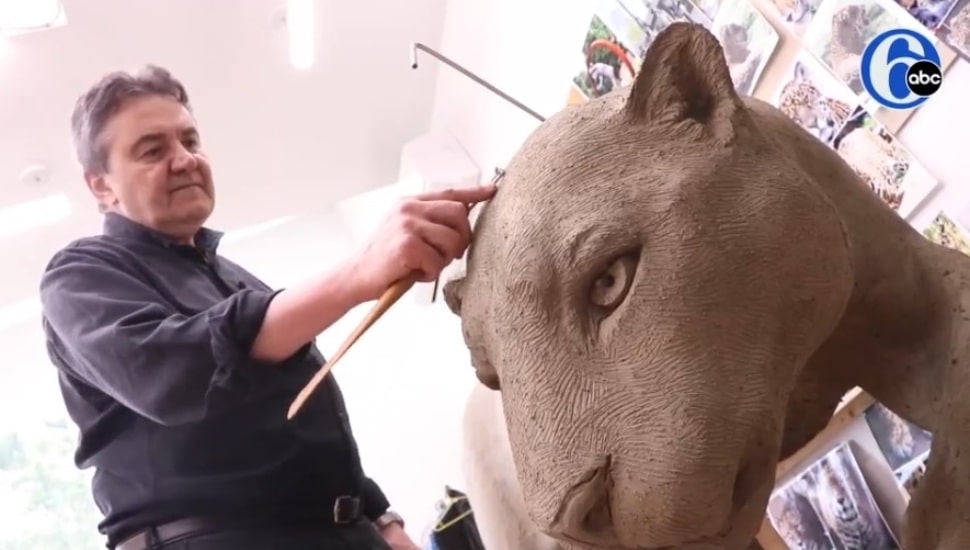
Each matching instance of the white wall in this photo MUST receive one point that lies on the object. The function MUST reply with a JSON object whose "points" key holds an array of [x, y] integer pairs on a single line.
{"points": [[405, 381], [522, 48], [937, 134]]}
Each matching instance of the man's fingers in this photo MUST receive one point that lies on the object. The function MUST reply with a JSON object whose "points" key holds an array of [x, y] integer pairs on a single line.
{"points": [[445, 239], [464, 195], [425, 260], [451, 214]]}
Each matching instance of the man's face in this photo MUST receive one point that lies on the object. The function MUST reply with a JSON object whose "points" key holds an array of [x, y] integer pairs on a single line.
{"points": [[157, 174]]}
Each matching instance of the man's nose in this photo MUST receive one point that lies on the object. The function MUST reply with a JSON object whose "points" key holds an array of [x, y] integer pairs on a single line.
{"points": [[183, 160]]}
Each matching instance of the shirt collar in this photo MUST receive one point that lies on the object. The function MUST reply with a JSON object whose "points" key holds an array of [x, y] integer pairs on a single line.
{"points": [[116, 225]]}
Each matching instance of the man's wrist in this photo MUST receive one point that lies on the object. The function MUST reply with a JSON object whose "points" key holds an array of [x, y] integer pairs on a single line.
{"points": [[388, 518]]}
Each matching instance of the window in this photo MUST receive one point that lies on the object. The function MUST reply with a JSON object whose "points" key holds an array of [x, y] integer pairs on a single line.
{"points": [[45, 501]]}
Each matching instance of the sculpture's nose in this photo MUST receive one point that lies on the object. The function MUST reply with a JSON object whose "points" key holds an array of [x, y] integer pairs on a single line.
{"points": [[585, 515]]}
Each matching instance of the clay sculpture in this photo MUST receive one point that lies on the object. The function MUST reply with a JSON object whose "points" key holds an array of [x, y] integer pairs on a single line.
{"points": [[672, 290]]}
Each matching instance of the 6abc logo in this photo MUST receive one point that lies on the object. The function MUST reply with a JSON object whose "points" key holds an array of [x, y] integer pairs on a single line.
{"points": [[901, 69]]}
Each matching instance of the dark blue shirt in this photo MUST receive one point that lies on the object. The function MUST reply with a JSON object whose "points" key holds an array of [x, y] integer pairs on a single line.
{"points": [[151, 340]]}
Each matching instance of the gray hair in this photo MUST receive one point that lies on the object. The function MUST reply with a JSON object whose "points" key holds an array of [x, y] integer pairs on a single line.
{"points": [[100, 102]]}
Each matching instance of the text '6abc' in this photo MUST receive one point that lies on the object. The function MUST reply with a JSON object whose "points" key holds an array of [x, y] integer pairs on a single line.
{"points": [[901, 69]]}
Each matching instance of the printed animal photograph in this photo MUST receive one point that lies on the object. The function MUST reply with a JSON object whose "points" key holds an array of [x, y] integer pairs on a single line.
{"points": [[955, 29], [709, 7], [901, 442], [888, 168], [945, 231], [928, 13], [911, 475], [960, 213], [829, 507], [795, 519], [796, 14], [815, 99], [840, 30], [617, 39], [653, 16], [611, 52], [748, 40]]}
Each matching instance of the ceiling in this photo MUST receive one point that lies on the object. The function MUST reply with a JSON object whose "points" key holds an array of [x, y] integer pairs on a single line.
{"points": [[283, 141]]}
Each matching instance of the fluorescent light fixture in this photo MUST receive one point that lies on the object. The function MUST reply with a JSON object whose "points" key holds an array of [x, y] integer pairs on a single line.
{"points": [[18, 16], [32, 214], [19, 312], [300, 25]]}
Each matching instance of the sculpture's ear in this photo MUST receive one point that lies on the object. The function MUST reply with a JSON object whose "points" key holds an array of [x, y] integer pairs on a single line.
{"points": [[452, 294], [684, 76]]}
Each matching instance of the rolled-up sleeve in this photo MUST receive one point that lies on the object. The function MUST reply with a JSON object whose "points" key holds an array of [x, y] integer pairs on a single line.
{"points": [[119, 333], [375, 503]]}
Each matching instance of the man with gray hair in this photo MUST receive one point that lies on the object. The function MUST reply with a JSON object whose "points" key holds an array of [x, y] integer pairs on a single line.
{"points": [[178, 366]]}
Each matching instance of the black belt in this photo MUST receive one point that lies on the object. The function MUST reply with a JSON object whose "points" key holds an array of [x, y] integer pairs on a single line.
{"points": [[346, 509]]}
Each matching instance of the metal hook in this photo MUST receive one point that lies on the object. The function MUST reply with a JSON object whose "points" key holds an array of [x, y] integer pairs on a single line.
{"points": [[415, 46]]}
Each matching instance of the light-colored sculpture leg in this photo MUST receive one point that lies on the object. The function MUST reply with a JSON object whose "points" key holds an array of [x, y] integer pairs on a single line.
{"points": [[490, 478]]}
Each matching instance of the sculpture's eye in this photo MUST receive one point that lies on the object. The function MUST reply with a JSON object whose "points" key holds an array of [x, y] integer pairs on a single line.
{"points": [[612, 285]]}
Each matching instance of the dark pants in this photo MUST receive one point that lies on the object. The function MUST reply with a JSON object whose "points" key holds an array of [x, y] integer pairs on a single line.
{"points": [[360, 536]]}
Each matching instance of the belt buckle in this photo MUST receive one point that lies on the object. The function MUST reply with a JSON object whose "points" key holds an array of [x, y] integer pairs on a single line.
{"points": [[346, 509]]}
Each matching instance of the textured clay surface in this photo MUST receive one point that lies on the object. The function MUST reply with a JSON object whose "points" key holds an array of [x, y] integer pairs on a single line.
{"points": [[673, 288]]}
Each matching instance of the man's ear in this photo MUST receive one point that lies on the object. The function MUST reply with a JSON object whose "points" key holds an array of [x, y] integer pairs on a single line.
{"points": [[100, 188]]}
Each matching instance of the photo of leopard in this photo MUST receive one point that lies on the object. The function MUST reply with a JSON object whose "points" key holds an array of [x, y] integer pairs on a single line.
{"points": [[876, 157], [793, 516], [829, 507], [840, 30], [845, 505], [900, 441], [802, 99]]}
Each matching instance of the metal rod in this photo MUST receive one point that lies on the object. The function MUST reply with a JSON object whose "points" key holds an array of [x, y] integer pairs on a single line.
{"points": [[414, 65]]}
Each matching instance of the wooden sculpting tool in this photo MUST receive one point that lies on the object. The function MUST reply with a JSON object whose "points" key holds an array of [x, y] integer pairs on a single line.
{"points": [[398, 289], [391, 295], [384, 303]]}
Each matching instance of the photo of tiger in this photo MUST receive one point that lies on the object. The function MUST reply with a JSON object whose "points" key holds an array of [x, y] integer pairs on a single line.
{"points": [[829, 507], [900, 441]]}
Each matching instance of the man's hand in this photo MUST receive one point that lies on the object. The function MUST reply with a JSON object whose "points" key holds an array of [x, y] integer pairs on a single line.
{"points": [[419, 238], [397, 539]]}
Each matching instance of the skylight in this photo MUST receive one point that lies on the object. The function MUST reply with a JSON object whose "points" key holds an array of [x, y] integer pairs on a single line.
{"points": [[19, 16], [27, 215]]}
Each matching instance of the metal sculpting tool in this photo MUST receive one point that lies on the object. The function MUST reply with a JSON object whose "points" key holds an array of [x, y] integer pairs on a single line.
{"points": [[399, 288]]}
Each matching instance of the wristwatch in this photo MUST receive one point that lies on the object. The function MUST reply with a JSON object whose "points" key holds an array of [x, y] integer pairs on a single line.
{"points": [[388, 518]]}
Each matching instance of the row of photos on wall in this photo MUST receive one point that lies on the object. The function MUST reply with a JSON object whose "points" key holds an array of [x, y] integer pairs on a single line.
{"points": [[822, 92]]}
